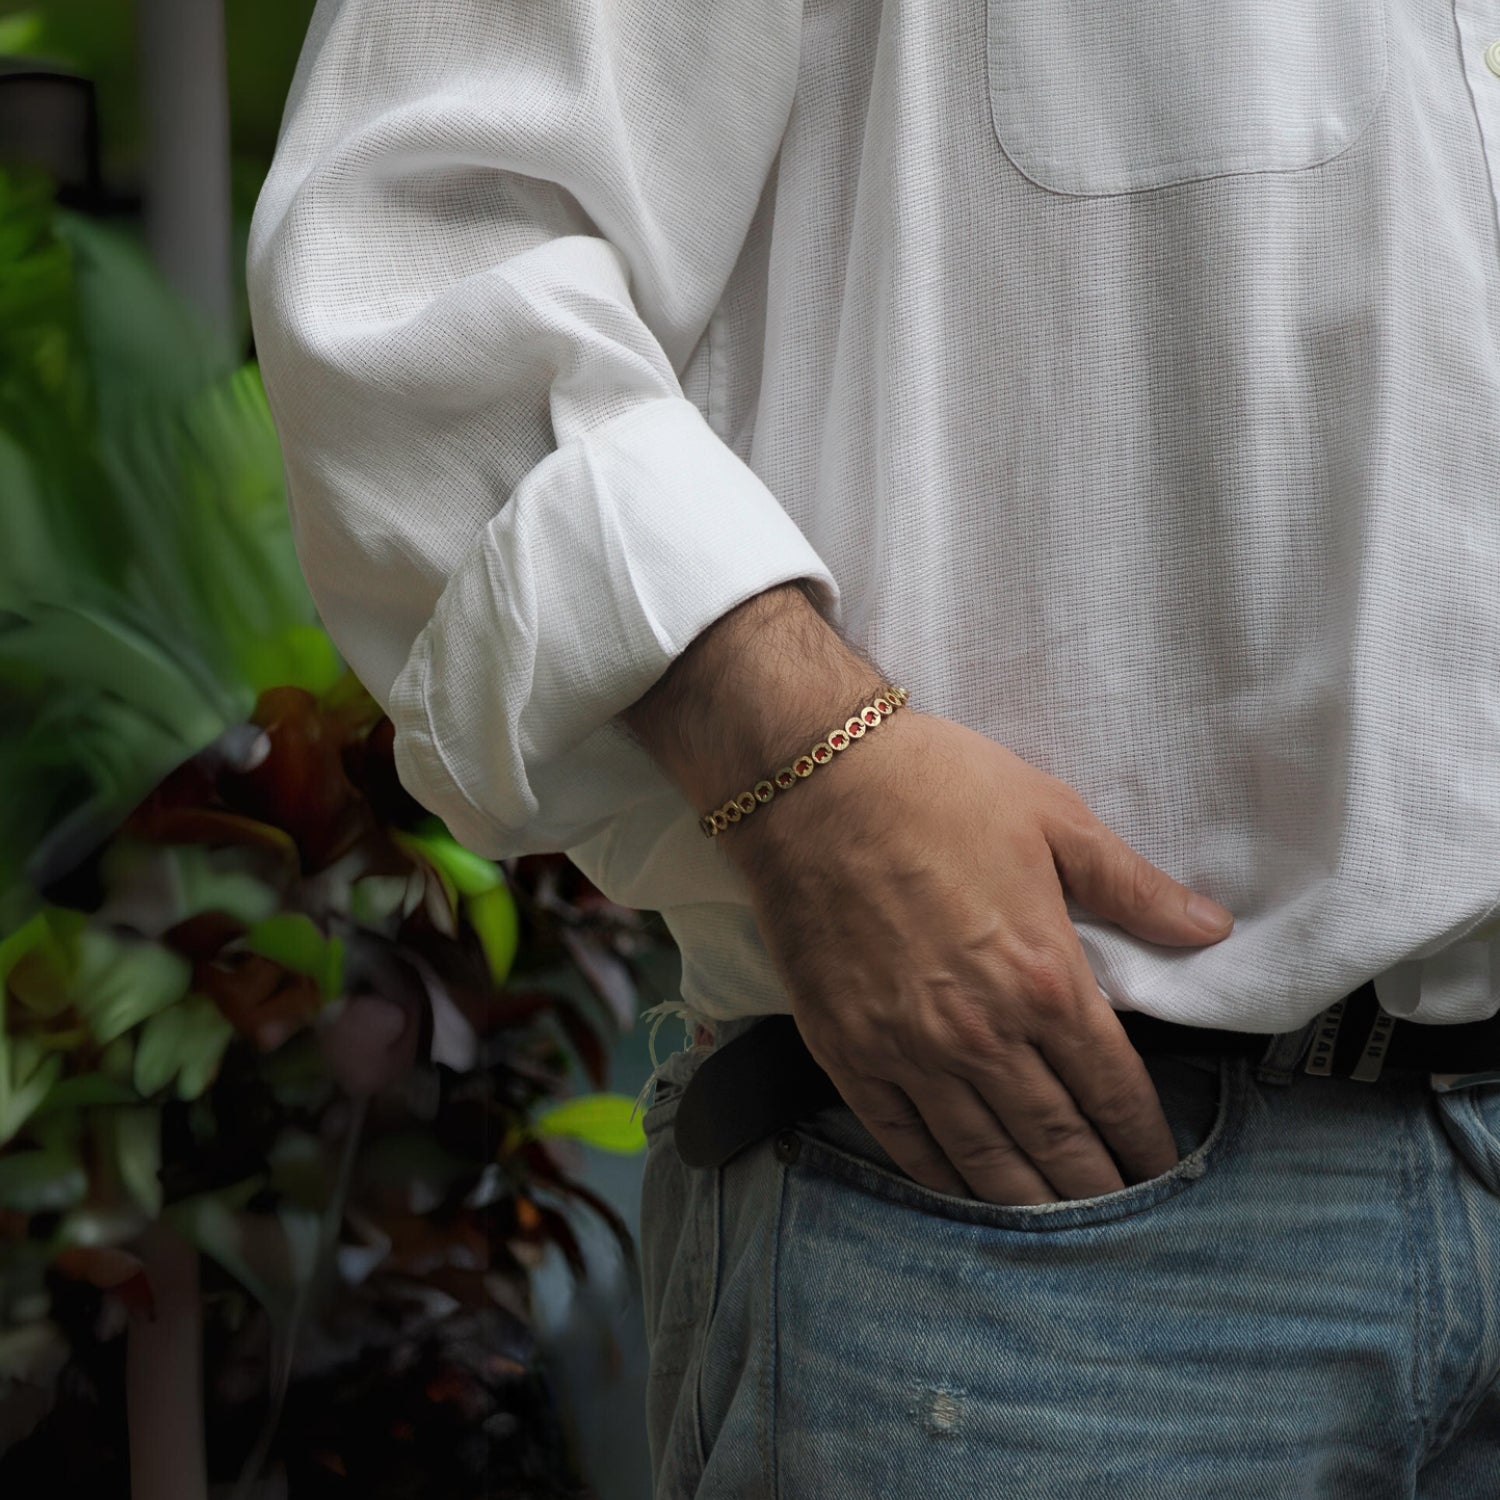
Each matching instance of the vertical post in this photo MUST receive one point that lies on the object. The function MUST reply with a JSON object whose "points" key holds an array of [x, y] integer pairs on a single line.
{"points": [[185, 187], [164, 1375]]}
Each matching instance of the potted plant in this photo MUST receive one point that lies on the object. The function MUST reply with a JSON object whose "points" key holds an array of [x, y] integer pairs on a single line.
{"points": [[281, 1074]]}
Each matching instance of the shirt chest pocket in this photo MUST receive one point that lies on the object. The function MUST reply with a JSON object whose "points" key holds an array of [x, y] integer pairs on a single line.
{"points": [[1095, 97]]}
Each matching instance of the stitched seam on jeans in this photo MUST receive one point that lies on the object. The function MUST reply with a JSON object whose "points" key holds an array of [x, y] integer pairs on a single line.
{"points": [[1418, 1376], [770, 1365], [709, 1310]]}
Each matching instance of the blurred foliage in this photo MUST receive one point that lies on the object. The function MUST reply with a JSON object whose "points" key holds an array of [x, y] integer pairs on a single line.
{"points": [[248, 987], [97, 39], [147, 547]]}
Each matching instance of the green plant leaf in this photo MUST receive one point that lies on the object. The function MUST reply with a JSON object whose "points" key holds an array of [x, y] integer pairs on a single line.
{"points": [[135, 1136], [298, 656], [149, 578], [117, 1060], [292, 939], [374, 899], [36, 932], [87, 1091], [493, 916], [27, 1073], [185, 1042], [471, 874], [118, 984], [213, 1222], [603, 1120], [35, 1182], [28, 1067], [76, 643], [20, 33], [270, 1255], [206, 885]]}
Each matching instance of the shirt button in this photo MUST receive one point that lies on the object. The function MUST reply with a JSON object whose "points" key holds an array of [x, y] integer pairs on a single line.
{"points": [[1492, 57]]}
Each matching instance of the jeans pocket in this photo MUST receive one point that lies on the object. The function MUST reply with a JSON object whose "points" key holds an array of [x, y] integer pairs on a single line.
{"points": [[1471, 1118], [1095, 98], [1199, 1097]]}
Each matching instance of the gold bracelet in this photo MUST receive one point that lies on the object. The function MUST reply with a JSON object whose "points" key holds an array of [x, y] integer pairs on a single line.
{"points": [[879, 708]]}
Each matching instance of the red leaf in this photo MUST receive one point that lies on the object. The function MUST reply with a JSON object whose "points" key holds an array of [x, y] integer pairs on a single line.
{"points": [[259, 998], [208, 825], [540, 1161], [203, 935], [500, 1010], [300, 785]]}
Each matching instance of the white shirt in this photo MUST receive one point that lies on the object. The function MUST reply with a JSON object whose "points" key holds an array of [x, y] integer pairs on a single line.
{"points": [[1127, 376]]}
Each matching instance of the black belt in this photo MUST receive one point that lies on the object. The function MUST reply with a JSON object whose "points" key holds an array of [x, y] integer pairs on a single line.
{"points": [[766, 1080]]}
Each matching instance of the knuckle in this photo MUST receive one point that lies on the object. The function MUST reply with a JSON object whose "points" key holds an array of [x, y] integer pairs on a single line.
{"points": [[948, 1028], [886, 1115], [1118, 1102], [840, 1059], [1057, 1135], [986, 1153], [1049, 979], [969, 1035]]}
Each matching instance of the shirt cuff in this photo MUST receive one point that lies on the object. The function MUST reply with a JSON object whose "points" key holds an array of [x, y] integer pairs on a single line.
{"points": [[610, 557]]}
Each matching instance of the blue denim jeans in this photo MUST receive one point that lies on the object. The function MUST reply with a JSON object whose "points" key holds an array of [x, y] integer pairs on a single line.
{"points": [[1307, 1304]]}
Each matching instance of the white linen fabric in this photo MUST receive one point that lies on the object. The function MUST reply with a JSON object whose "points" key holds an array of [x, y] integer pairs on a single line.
{"points": [[1127, 377]]}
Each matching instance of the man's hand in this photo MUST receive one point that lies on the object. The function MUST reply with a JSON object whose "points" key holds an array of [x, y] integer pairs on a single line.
{"points": [[913, 903], [916, 915]]}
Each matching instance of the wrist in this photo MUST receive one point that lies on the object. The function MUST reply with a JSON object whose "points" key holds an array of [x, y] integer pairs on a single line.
{"points": [[752, 824], [752, 691]]}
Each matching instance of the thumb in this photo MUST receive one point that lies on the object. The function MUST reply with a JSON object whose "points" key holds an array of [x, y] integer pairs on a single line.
{"points": [[1100, 870]]}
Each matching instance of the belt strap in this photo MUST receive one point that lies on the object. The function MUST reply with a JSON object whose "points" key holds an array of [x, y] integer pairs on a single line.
{"points": [[766, 1080]]}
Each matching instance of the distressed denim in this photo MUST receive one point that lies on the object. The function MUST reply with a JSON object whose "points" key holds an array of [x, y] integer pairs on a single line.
{"points": [[1305, 1305]]}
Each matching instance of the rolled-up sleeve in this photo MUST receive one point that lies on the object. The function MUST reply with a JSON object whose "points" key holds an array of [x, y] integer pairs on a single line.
{"points": [[492, 234]]}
